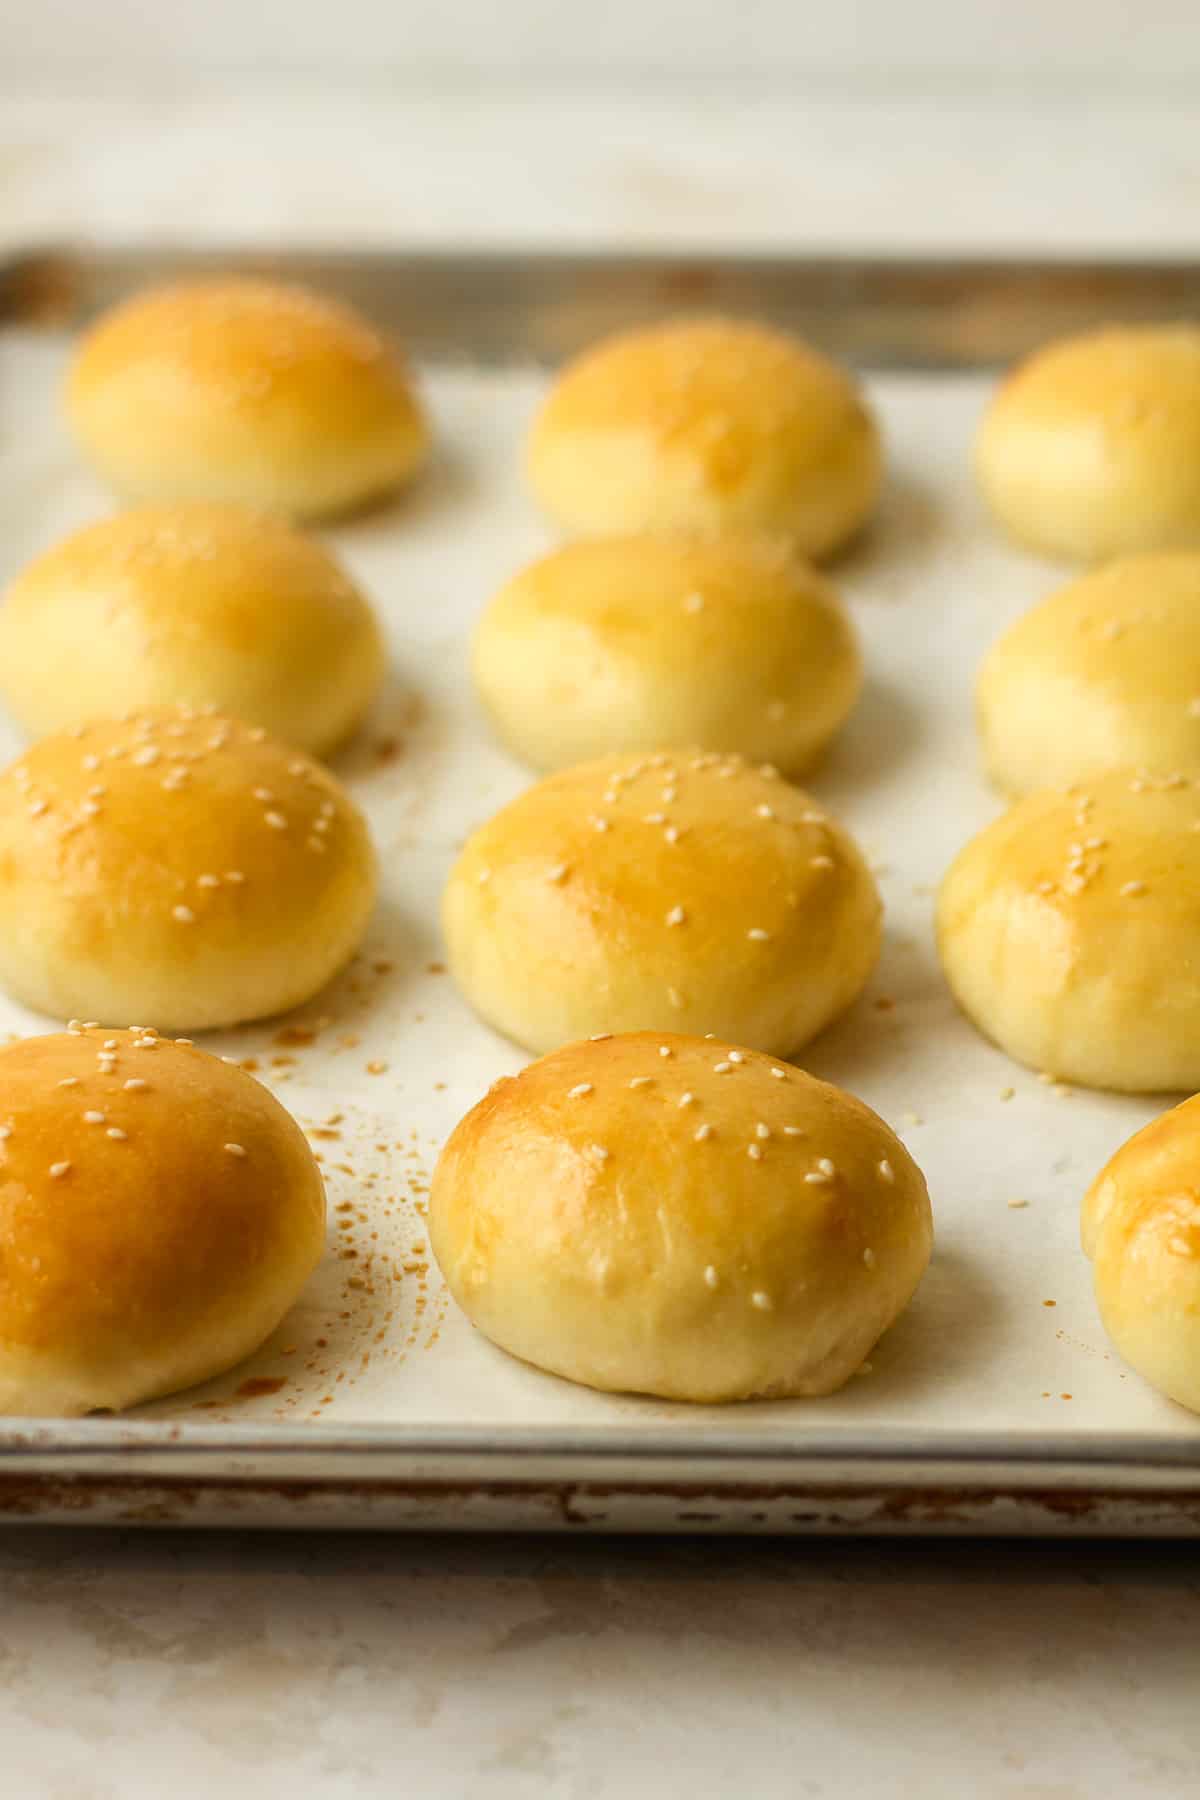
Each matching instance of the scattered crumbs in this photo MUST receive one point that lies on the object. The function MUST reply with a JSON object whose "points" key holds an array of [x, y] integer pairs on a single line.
{"points": [[1049, 1302], [1008, 1093], [912, 1118], [1016, 1205], [377, 1067]]}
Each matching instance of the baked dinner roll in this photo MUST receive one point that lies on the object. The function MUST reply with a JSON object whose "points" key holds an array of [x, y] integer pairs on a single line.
{"points": [[666, 1215], [1104, 674], [1091, 448], [1069, 931], [1141, 1228], [159, 1214], [684, 890], [178, 867], [190, 603], [706, 424], [235, 389], [730, 642]]}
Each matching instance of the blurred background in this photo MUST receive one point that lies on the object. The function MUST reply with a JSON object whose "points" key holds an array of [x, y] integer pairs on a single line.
{"points": [[1067, 125]]}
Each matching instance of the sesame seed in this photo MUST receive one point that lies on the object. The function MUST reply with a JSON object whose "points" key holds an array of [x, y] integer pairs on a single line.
{"points": [[145, 756], [234, 876], [1137, 785], [93, 1118], [886, 1171], [37, 808], [578, 1091], [722, 1068], [135, 1085], [558, 873], [764, 811], [763, 1131], [58, 1170], [257, 735], [815, 1178], [317, 845], [672, 834], [669, 794], [327, 809], [1194, 707], [676, 916], [146, 1043], [694, 603], [275, 820], [638, 1081], [599, 824], [664, 1049], [297, 767], [812, 818], [675, 997], [485, 875], [599, 1152], [116, 1134], [758, 934], [869, 1258], [321, 824], [184, 914], [825, 1166], [737, 1056], [234, 1149], [754, 1151], [89, 808], [688, 1099], [702, 1133], [5, 1132], [654, 818], [69, 1081], [186, 1042], [110, 1043], [600, 1037], [208, 881], [711, 1277], [820, 862], [90, 761], [779, 1074], [1131, 889], [761, 1301]]}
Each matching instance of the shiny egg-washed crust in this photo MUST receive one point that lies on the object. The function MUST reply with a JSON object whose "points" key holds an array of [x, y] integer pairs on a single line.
{"points": [[732, 642], [139, 1254], [233, 389], [704, 424], [1091, 447], [179, 868], [1104, 674], [194, 603], [1069, 931], [637, 893], [1141, 1228], [665, 1215]]}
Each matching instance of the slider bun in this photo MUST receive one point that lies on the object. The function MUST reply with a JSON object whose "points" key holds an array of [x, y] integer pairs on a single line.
{"points": [[1091, 447], [731, 642], [176, 867], [1069, 932], [1104, 674], [583, 1226], [1141, 1227], [248, 391], [136, 1265], [704, 424], [190, 603], [640, 893]]}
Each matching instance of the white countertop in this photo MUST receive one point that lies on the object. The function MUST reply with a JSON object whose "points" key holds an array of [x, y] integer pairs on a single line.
{"points": [[140, 1666]]}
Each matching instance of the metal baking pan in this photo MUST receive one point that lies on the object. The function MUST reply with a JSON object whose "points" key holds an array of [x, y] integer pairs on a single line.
{"points": [[996, 1404]]}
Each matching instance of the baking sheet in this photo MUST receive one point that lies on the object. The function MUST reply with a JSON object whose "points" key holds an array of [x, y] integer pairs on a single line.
{"points": [[1001, 1346]]}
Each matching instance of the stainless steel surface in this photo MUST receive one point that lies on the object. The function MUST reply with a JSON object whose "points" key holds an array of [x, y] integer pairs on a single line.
{"points": [[815, 1473], [881, 314]]}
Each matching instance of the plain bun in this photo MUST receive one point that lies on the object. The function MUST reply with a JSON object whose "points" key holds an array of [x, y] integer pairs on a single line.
{"points": [[672, 1216], [706, 424], [682, 891], [1104, 674], [194, 603], [176, 867], [1091, 448], [232, 389], [733, 643], [1141, 1228], [1068, 932], [159, 1214]]}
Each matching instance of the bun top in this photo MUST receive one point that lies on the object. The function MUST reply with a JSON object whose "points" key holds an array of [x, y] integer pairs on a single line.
{"points": [[231, 388], [191, 603]]}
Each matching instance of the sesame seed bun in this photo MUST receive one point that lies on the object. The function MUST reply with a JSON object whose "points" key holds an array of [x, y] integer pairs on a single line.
{"points": [[195, 603], [642, 893], [1141, 1228], [176, 867], [159, 1213], [246, 391], [1091, 448], [730, 642], [665, 1215], [706, 424], [1104, 674], [1069, 931]]}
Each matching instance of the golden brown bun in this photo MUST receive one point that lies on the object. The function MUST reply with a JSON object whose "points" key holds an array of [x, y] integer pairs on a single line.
{"points": [[1104, 674], [179, 868], [704, 424], [153, 1235], [1141, 1227], [195, 603], [1091, 448], [684, 891], [666, 1215], [247, 391], [730, 642], [1068, 930]]}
